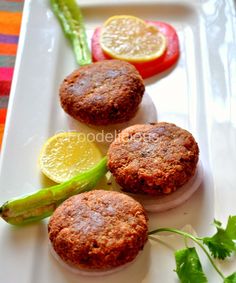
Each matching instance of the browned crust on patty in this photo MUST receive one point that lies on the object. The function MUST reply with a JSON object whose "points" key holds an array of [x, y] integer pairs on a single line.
{"points": [[98, 229], [102, 93], [153, 159]]}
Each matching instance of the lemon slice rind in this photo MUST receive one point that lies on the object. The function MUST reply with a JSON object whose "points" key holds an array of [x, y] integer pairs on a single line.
{"points": [[131, 39], [67, 154]]}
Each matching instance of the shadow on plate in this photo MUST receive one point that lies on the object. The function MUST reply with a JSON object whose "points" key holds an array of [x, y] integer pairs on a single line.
{"points": [[104, 135]]}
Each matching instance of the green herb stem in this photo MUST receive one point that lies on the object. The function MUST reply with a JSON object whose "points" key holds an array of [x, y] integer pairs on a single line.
{"points": [[193, 238]]}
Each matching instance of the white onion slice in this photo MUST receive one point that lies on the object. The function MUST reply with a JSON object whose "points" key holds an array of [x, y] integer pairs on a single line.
{"points": [[87, 272], [166, 202]]}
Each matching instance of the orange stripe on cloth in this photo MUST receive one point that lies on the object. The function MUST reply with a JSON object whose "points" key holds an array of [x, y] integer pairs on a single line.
{"points": [[8, 49], [1, 134], [3, 113], [10, 22]]}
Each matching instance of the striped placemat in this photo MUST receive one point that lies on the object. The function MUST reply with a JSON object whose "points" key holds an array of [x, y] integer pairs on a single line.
{"points": [[10, 20]]}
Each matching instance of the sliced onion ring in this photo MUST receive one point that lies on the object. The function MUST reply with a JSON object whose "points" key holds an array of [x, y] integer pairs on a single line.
{"points": [[165, 202], [87, 272]]}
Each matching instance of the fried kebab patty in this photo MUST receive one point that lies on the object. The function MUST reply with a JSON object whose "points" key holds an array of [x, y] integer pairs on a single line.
{"points": [[102, 93], [98, 230], [153, 159]]}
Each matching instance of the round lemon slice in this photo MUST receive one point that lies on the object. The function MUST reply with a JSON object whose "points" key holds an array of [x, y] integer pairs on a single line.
{"points": [[67, 154], [132, 39]]}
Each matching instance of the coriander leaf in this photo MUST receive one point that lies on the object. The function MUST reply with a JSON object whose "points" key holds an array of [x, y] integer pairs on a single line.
{"points": [[231, 278], [231, 227], [217, 223], [188, 266], [220, 245]]}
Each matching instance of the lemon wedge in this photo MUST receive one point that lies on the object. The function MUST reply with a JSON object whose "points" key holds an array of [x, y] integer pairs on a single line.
{"points": [[132, 39], [67, 154]]}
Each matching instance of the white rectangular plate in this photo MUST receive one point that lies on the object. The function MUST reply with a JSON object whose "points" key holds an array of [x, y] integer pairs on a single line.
{"points": [[199, 94]]}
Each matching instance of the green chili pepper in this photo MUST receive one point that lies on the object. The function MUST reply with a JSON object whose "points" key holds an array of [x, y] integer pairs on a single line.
{"points": [[71, 20], [42, 203]]}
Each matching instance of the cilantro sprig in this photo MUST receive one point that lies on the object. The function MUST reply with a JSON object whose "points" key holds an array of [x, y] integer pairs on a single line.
{"points": [[221, 245]]}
